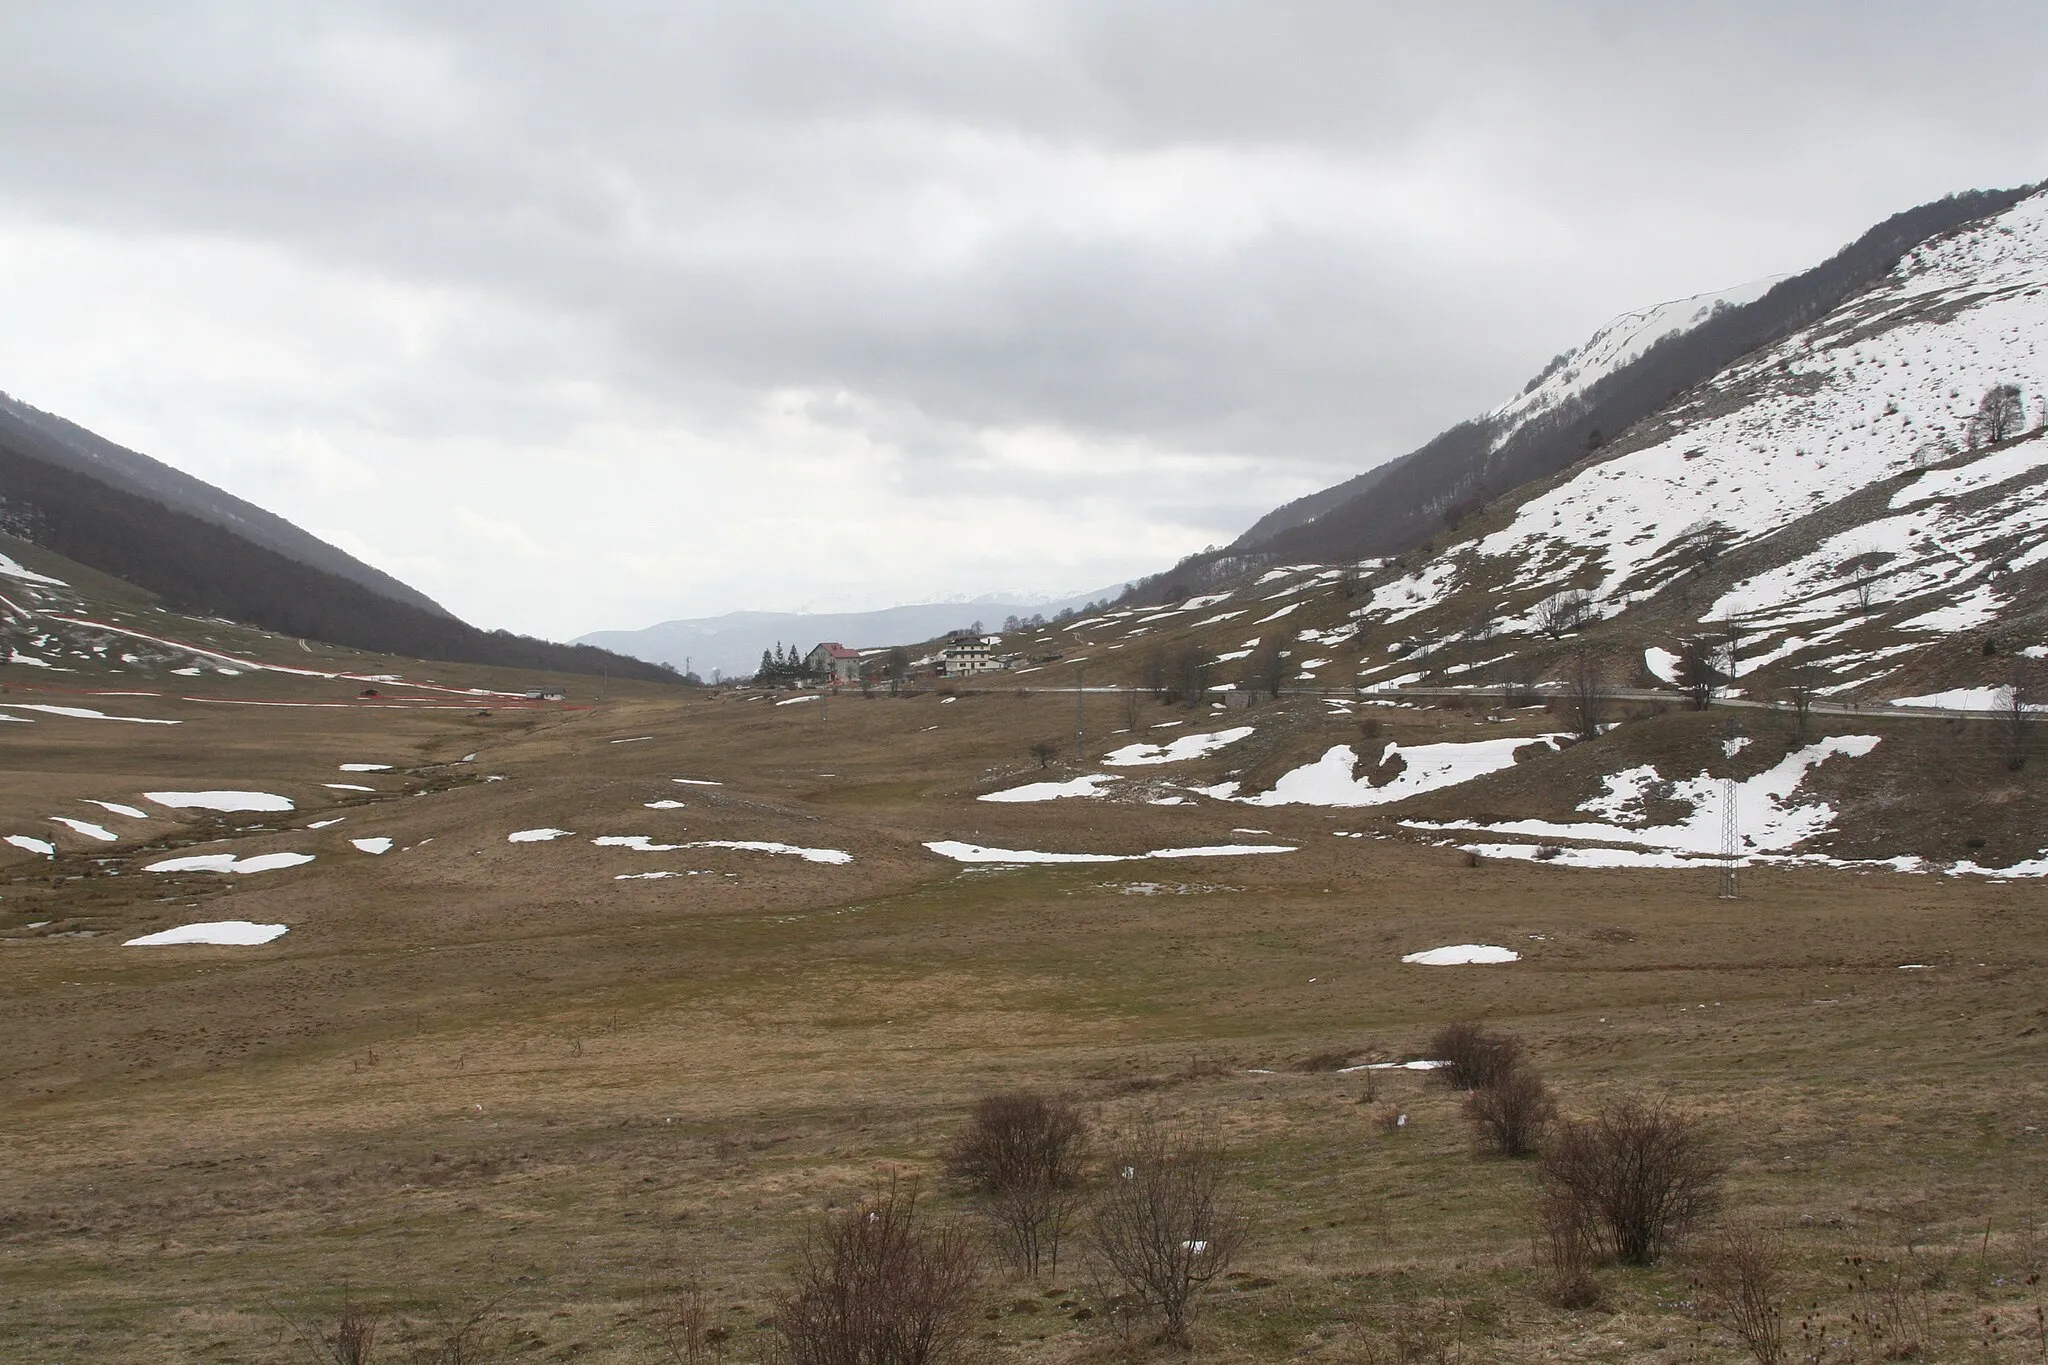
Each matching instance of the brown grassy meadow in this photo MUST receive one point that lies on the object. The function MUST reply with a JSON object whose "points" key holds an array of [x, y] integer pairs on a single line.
{"points": [[479, 1076]]}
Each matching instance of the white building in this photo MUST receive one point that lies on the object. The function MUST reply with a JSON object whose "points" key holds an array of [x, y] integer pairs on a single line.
{"points": [[965, 657]]}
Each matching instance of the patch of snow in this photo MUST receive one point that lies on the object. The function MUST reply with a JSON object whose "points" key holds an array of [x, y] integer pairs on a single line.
{"points": [[366, 767], [31, 845], [696, 782], [1964, 699], [228, 862], [347, 787], [809, 855], [226, 933], [323, 824], [663, 805], [1768, 817], [1663, 664], [637, 739], [85, 713], [1090, 784], [117, 808], [1329, 781], [976, 853], [1462, 954], [376, 844], [790, 701], [537, 836], [221, 800], [87, 828], [1183, 747]]}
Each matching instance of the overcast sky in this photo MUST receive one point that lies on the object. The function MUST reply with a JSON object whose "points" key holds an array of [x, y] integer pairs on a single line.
{"points": [[587, 316]]}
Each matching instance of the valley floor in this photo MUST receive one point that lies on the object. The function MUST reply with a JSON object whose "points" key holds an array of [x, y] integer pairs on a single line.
{"points": [[521, 1080]]}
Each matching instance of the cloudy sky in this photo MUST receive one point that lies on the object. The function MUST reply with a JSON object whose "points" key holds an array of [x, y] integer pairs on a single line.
{"points": [[587, 316]]}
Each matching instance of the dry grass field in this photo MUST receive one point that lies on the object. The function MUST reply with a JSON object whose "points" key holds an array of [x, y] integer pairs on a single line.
{"points": [[495, 1079]]}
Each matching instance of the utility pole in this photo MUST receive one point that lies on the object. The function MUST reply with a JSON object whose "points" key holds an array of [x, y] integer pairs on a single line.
{"points": [[1080, 715]]}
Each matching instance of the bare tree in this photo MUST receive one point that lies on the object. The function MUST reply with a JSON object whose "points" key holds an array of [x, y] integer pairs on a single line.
{"points": [[1561, 613], [1022, 1153], [1132, 707], [898, 667], [880, 1284], [1641, 1172], [1799, 694], [2017, 714], [2000, 416], [1860, 568], [1044, 751], [1191, 672], [1587, 698], [1698, 677], [1164, 1225], [1268, 672], [1155, 673]]}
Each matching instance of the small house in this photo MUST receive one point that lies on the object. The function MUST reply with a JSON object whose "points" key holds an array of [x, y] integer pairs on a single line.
{"points": [[833, 662]]}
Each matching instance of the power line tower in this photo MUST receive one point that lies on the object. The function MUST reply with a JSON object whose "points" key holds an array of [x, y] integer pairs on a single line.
{"points": [[1080, 716], [1731, 825]]}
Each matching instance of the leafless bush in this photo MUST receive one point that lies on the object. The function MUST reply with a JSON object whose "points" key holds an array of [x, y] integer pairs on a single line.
{"points": [[352, 1341], [685, 1327], [1512, 1112], [880, 1285], [1045, 751], [1164, 1225], [1567, 1245], [1426, 1333], [1642, 1172], [1742, 1287], [1022, 1153], [466, 1334], [1476, 1057]]}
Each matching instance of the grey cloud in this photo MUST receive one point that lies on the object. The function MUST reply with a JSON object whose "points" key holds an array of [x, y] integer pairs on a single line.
{"points": [[684, 208]]}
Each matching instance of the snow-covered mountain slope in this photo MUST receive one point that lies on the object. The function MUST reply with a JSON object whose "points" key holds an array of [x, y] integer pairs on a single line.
{"points": [[1625, 373], [1617, 343]]}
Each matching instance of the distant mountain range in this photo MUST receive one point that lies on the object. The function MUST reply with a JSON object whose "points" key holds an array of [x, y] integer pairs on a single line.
{"points": [[208, 553], [731, 644]]}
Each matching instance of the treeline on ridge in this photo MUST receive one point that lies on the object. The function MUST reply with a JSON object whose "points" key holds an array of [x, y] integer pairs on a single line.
{"points": [[203, 569]]}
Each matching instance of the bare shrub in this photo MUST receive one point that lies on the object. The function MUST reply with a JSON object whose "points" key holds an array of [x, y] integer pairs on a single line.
{"points": [[467, 1334], [1567, 1246], [1045, 751], [1742, 1287], [1476, 1057], [1642, 1172], [685, 1327], [1427, 1333], [1512, 1112], [1022, 1153], [352, 1341], [1164, 1225], [880, 1285]]}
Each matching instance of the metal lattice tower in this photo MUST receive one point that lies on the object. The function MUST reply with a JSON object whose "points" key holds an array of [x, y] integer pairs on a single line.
{"points": [[1731, 825], [1731, 839]]}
